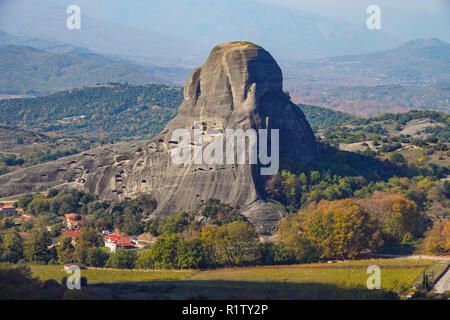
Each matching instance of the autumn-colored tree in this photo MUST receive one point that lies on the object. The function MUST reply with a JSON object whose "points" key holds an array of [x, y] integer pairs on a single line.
{"points": [[398, 215], [232, 244], [330, 229], [438, 239], [292, 234], [274, 187]]}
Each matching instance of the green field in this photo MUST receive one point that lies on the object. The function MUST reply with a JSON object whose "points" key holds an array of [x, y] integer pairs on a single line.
{"points": [[345, 280]]}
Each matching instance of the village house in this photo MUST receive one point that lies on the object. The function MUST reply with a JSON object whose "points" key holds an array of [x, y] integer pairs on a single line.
{"points": [[73, 221], [24, 235], [7, 211], [73, 234], [113, 242]]}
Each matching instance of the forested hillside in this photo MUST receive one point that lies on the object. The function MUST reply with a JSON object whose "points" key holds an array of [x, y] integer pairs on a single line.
{"points": [[31, 71], [115, 110], [319, 117]]}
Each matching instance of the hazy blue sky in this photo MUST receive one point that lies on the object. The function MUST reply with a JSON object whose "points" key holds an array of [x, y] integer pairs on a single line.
{"points": [[188, 29], [407, 18]]}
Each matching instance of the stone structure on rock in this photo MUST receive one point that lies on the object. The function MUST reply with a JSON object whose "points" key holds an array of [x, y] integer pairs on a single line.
{"points": [[239, 86]]}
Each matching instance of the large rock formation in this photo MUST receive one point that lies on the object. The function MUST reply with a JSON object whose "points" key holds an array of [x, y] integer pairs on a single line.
{"points": [[239, 86]]}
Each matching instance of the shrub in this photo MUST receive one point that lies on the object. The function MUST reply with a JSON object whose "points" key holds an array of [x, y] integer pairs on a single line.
{"points": [[396, 157]]}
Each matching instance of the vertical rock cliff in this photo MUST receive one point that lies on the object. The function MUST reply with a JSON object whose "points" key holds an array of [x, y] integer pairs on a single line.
{"points": [[238, 87]]}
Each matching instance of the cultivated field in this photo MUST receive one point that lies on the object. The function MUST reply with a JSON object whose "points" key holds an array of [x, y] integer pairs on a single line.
{"points": [[345, 280]]}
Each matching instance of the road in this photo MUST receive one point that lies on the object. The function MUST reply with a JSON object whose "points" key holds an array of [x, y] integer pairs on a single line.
{"points": [[395, 256], [444, 283]]}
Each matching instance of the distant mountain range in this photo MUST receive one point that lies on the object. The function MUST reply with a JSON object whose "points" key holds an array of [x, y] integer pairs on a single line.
{"points": [[21, 62], [418, 62], [415, 75], [373, 100], [31, 71], [38, 43], [181, 33]]}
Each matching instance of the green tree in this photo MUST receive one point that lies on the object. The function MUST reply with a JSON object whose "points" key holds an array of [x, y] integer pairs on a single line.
{"points": [[275, 253], [12, 247], [38, 205], [175, 223], [291, 188], [122, 259], [164, 252], [17, 282], [65, 250], [190, 254], [86, 239], [24, 201], [36, 247], [145, 260], [96, 257]]}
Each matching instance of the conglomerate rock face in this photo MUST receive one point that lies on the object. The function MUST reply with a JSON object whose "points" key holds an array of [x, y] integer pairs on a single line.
{"points": [[239, 87]]}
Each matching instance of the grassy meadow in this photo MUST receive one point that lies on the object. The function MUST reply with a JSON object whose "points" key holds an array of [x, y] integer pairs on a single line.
{"points": [[346, 280]]}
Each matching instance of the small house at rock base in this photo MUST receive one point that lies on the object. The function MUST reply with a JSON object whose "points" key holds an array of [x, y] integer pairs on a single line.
{"points": [[7, 211], [114, 241], [73, 221]]}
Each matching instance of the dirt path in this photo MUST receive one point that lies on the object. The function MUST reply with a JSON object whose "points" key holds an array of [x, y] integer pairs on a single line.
{"points": [[444, 283], [418, 257]]}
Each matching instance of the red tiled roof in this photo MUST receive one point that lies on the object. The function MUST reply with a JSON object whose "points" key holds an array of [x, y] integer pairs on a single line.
{"points": [[115, 237], [4, 206], [71, 215], [24, 234], [73, 222], [124, 243], [73, 233]]}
